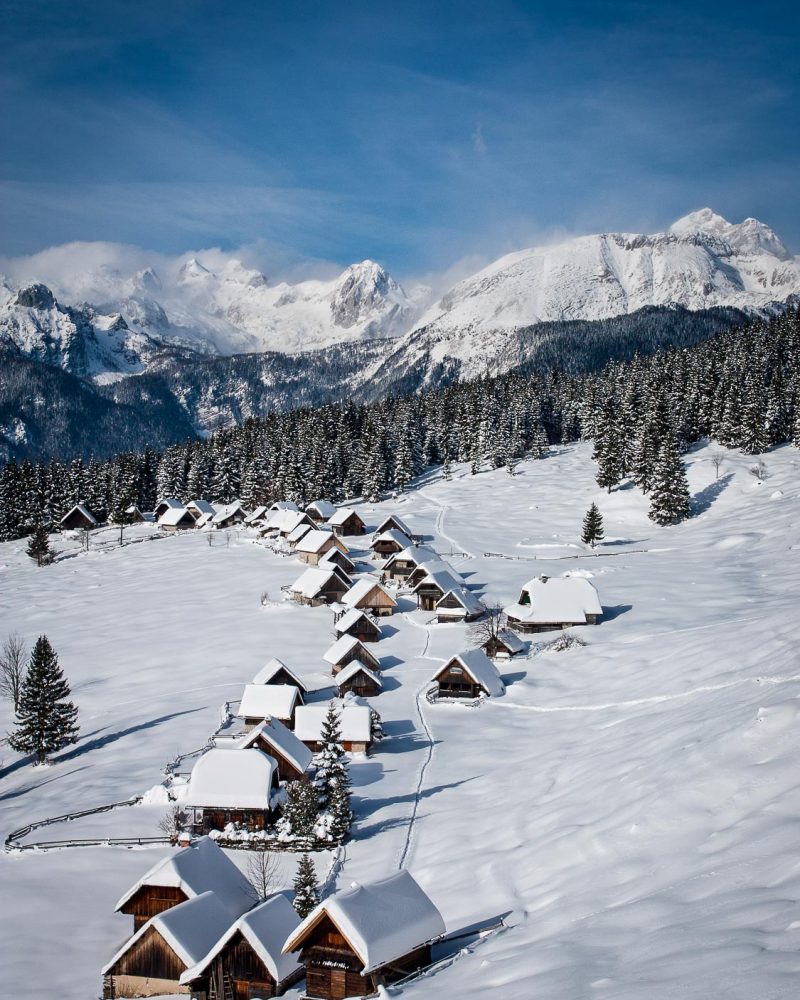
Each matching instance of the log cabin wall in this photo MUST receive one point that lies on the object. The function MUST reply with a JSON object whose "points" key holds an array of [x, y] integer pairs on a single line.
{"points": [[151, 900], [149, 958], [454, 682]]}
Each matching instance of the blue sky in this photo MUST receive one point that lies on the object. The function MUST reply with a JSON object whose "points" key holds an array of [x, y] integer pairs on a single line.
{"points": [[413, 133]]}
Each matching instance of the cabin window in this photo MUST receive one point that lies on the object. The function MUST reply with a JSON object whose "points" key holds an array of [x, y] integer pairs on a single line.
{"points": [[456, 670]]}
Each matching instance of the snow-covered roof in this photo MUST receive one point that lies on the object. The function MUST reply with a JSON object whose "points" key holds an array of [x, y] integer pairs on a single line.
{"points": [[334, 556], [382, 921], [297, 533], [201, 867], [393, 521], [354, 667], [354, 721], [190, 928], [316, 539], [511, 640], [169, 501], [341, 515], [285, 521], [310, 583], [480, 668], [202, 506], [343, 645], [260, 701], [392, 535], [82, 509], [282, 739], [226, 511], [272, 667], [351, 618], [256, 515], [361, 589], [265, 928], [174, 515], [283, 505], [322, 508], [557, 600], [226, 778], [468, 601], [416, 554], [441, 575]]}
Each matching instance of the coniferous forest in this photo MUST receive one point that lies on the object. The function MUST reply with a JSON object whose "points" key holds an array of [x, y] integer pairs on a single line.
{"points": [[740, 388]]}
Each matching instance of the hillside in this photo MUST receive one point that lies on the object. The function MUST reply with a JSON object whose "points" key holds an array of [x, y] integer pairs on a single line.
{"points": [[646, 779]]}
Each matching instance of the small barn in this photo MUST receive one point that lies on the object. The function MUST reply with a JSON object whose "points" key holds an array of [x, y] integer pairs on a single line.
{"points": [[388, 543], [200, 508], [503, 646], [273, 738], [346, 521], [256, 517], [137, 516], [345, 650], [366, 936], [318, 586], [431, 567], [358, 624], [247, 960], [164, 504], [230, 785], [176, 519], [284, 522], [320, 510], [459, 605], [275, 671], [469, 675], [77, 517], [402, 564], [548, 603], [316, 543], [335, 557], [435, 585], [355, 721], [294, 536], [227, 515], [269, 701], [393, 522], [367, 594], [152, 962], [185, 874], [357, 678]]}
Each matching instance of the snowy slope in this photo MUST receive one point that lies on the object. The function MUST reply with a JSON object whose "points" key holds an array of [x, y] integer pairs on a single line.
{"points": [[632, 804]]}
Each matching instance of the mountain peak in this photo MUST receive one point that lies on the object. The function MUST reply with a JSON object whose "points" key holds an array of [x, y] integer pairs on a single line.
{"points": [[192, 270], [748, 237]]}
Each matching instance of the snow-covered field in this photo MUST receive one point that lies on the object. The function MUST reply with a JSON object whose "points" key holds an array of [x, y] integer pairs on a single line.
{"points": [[632, 805]]}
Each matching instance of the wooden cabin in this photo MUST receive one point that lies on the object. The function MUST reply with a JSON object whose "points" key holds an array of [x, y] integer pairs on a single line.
{"points": [[201, 508], [136, 516], [232, 786], [320, 510], [275, 671], [357, 678], [335, 557], [346, 521], [79, 517], [176, 519], [318, 586], [367, 594], [291, 755], [402, 564], [388, 543], [435, 585], [183, 875], [458, 605], [345, 650], [395, 523], [165, 504], [315, 544], [469, 675], [247, 961], [358, 624], [152, 962], [548, 603], [504, 645], [269, 701], [284, 522], [366, 936], [228, 515], [355, 722]]}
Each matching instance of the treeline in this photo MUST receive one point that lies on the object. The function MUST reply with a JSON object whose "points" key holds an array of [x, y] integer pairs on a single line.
{"points": [[741, 388]]}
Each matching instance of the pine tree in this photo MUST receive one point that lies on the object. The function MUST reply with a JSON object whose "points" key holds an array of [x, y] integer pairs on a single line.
{"points": [[592, 526], [333, 777], [306, 893], [300, 811], [47, 721], [669, 495], [39, 546]]}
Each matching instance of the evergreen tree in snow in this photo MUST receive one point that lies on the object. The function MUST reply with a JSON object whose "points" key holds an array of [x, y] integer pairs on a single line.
{"points": [[333, 776], [306, 893], [300, 811], [608, 452], [669, 495], [39, 546], [46, 720], [592, 526]]}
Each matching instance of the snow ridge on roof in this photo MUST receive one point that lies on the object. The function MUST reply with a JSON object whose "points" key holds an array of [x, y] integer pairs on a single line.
{"points": [[232, 779], [222, 513], [393, 521], [272, 667], [382, 920], [283, 740], [260, 701], [481, 669]]}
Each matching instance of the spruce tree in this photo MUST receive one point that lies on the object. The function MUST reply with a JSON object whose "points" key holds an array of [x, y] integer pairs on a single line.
{"points": [[39, 546], [333, 777], [46, 720], [592, 526], [669, 495], [306, 893], [300, 811]]}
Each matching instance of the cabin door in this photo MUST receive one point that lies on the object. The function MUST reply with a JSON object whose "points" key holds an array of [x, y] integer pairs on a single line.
{"points": [[338, 984]]}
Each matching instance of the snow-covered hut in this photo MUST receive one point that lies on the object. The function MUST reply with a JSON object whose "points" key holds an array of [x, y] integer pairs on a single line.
{"points": [[358, 624], [275, 671], [402, 564], [504, 645], [257, 516], [294, 536], [164, 504], [357, 678], [283, 505], [555, 602], [176, 519], [468, 675], [183, 875], [318, 586], [355, 721], [346, 649], [346, 521], [159, 953], [438, 581], [138, 516], [315, 543], [320, 510], [273, 738], [366, 936], [367, 594], [249, 955], [79, 516], [430, 567], [269, 701], [198, 508], [387, 543], [283, 522], [227, 515], [396, 523], [230, 785], [337, 558], [458, 605]]}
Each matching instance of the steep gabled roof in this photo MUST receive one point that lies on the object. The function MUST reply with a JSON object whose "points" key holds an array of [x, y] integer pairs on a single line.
{"points": [[351, 618], [82, 509], [257, 515], [202, 506], [262, 701], [417, 554], [297, 533], [393, 521], [557, 599], [169, 501], [361, 589], [392, 535], [282, 739], [196, 869], [265, 928], [316, 539], [382, 921], [353, 668], [315, 579], [322, 508], [227, 778], [344, 644], [341, 515], [174, 515], [283, 505], [480, 668], [222, 513], [468, 601], [511, 640], [274, 666], [440, 575]]}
